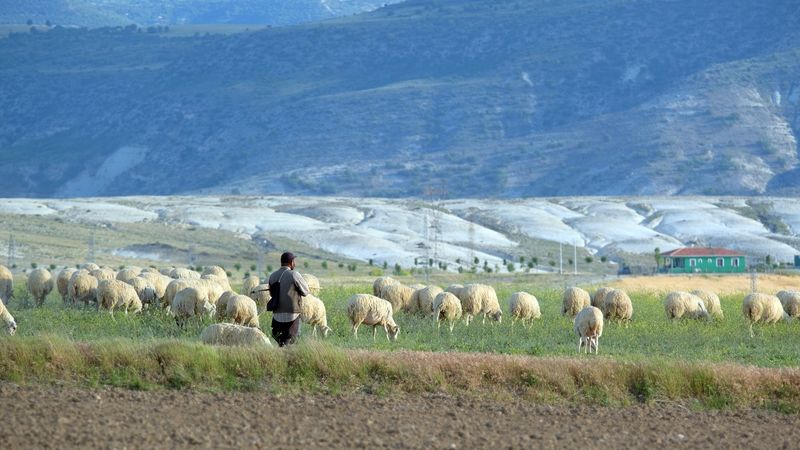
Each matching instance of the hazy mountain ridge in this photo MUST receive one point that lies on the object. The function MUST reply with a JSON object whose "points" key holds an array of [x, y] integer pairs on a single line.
{"points": [[460, 98]]}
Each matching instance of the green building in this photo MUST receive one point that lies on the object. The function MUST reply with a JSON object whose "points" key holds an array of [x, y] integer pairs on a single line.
{"points": [[703, 260]]}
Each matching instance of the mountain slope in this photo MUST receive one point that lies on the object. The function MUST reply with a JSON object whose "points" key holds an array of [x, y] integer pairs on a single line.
{"points": [[450, 98]]}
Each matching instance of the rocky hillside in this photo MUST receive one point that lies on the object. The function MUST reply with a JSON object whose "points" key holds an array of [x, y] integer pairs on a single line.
{"points": [[449, 98]]}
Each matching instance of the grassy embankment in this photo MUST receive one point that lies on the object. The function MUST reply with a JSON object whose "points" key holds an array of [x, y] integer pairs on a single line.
{"points": [[651, 360]]}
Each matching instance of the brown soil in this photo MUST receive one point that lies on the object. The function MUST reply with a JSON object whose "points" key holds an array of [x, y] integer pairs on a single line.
{"points": [[721, 284], [44, 417]]}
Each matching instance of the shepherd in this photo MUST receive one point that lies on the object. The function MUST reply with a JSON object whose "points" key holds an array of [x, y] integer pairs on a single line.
{"points": [[287, 289]]}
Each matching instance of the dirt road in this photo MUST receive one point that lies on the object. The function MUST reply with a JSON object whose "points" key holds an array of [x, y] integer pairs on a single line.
{"points": [[44, 417]]}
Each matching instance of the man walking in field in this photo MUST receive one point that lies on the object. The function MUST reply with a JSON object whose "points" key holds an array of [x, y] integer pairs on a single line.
{"points": [[289, 287]]}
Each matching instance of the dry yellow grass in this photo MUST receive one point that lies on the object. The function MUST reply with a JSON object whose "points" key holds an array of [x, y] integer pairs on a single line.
{"points": [[721, 284]]}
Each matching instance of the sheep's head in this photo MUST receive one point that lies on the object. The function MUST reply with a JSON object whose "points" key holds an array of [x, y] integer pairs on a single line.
{"points": [[394, 330], [497, 316], [325, 331], [208, 308], [12, 327]]}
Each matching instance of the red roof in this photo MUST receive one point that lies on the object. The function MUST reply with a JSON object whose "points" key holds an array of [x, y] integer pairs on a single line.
{"points": [[701, 251]]}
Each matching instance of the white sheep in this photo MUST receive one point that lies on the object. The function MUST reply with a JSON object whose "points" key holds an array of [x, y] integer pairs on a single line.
{"points": [[455, 289], [248, 284], [242, 310], [159, 283], [380, 282], [711, 301], [181, 273], [166, 271], [233, 335], [678, 305], [371, 310], [113, 294], [40, 284], [599, 295], [149, 270], [7, 319], [260, 294], [312, 312], [617, 306], [210, 286], [791, 303], [223, 282], [103, 274], [574, 300], [191, 302], [144, 290], [89, 267], [222, 304], [216, 271], [762, 308], [126, 275], [399, 295], [172, 289], [62, 283], [480, 298], [422, 299], [525, 307], [6, 284], [588, 325], [313, 283], [446, 306], [82, 287]]}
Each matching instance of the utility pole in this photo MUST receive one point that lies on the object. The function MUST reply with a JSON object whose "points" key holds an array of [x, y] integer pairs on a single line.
{"points": [[11, 250], [575, 258], [560, 259], [90, 249], [753, 280]]}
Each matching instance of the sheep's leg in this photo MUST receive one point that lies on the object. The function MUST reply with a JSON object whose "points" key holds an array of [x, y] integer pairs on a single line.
{"points": [[752, 335], [514, 320], [597, 345], [375, 331], [314, 331], [355, 329], [580, 345], [452, 324], [483, 322], [386, 328]]}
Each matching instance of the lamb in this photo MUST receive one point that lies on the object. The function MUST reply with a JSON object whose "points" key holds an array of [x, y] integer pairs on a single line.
{"points": [[683, 304], [126, 275], [791, 302], [7, 319], [422, 300], [6, 284], [446, 306], [191, 302], [222, 304], [113, 294], [62, 283], [617, 306], [588, 325], [242, 310], [40, 284], [82, 287], [184, 274], [144, 290], [372, 310], [260, 294], [234, 335], [480, 298], [574, 301], [312, 312], [599, 295], [711, 301], [525, 307], [103, 274], [249, 283], [762, 308], [312, 282], [399, 295], [380, 282]]}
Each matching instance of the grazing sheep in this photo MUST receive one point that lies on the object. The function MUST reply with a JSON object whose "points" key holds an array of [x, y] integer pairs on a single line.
{"points": [[82, 287], [242, 310], [166, 271], [184, 274], [216, 271], [678, 305], [455, 289], [599, 295], [574, 301], [422, 300], [6, 284], [234, 335], [221, 281], [126, 275], [480, 298], [399, 295], [380, 282], [711, 301], [62, 283], [588, 325], [791, 303], [260, 294], [222, 304], [312, 312], [617, 306], [89, 267], [40, 284], [144, 290], [149, 270], [210, 286], [249, 283], [525, 307], [113, 294], [7, 319], [159, 283], [371, 310], [762, 308], [312, 282], [172, 289], [103, 274], [191, 302], [446, 306]]}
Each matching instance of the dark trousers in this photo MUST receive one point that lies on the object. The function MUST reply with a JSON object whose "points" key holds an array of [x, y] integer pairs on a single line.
{"points": [[285, 332]]}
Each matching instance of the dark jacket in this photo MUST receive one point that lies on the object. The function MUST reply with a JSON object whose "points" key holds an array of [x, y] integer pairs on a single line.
{"points": [[293, 288]]}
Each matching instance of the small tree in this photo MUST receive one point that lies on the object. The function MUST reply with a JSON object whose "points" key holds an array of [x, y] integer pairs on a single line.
{"points": [[34, 265], [252, 267], [658, 257], [397, 269], [589, 259], [511, 267], [237, 266], [52, 267], [604, 259], [325, 265]]}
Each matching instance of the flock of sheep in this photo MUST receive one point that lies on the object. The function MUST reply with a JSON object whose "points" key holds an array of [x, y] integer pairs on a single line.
{"points": [[188, 294]]}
